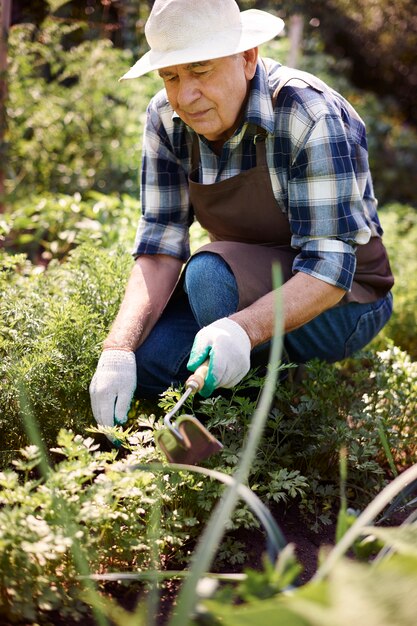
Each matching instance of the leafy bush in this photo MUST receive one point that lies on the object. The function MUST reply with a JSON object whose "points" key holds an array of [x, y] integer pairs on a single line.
{"points": [[48, 226], [71, 126], [400, 226], [336, 406], [90, 501], [51, 328], [109, 509]]}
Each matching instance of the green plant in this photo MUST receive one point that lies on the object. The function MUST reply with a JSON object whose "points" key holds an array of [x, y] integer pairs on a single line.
{"points": [[49, 226], [230, 417], [376, 596], [109, 507], [400, 226], [71, 126], [51, 328]]}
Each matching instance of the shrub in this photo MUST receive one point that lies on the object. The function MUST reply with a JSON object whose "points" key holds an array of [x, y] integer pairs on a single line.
{"points": [[400, 226], [71, 126], [336, 406], [51, 328], [90, 503], [110, 511], [49, 226]]}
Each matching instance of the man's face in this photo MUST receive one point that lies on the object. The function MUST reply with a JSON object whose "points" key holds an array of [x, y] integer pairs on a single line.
{"points": [[209, 95]]}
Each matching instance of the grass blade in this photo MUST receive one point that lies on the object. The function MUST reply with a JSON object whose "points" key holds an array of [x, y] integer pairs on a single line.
{"points": [[214, 531], [365, 518]]}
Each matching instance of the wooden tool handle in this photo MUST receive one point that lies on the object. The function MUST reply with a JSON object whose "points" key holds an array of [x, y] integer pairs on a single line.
{"points": [[197, 378]]}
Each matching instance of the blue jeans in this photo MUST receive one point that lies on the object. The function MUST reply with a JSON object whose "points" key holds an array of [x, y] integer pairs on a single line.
{"points": [[210, 293]]}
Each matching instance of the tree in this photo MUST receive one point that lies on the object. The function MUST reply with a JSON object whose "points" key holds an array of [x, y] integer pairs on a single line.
{"points": [[380, 38]]}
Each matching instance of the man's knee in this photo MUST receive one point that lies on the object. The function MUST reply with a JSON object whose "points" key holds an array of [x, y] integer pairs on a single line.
{"points": [[211, 287], [201, 270]]}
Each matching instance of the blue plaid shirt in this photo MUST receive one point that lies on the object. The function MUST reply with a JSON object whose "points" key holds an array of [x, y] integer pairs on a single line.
{"points": [[318, 162]]}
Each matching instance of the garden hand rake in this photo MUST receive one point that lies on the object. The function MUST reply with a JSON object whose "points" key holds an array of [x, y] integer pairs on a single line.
{"points": [[187, 441]]}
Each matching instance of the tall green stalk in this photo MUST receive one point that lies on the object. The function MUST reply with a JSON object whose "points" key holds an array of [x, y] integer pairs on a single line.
{"points": [[212, 535], [366, 517]]}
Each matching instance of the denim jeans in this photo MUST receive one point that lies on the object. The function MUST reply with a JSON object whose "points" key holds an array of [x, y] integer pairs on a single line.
{"points": [[210, 293]]}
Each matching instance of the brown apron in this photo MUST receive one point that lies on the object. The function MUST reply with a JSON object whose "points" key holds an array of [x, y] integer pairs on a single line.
{"points": [[250, 230]]}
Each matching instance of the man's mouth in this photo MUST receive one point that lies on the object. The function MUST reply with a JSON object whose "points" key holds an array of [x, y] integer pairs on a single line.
{"points": [[197, 115]]}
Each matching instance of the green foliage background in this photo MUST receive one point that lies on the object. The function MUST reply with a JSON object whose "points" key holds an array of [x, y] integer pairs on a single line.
{"points": [[74, 153], [72, 127], [75, 135]]}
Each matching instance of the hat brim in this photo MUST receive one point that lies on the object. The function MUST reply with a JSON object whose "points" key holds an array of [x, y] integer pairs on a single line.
{"points": [[257, 28]]}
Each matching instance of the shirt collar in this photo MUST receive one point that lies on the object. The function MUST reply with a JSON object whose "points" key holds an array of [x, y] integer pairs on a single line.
{"points": [[259, 109]]}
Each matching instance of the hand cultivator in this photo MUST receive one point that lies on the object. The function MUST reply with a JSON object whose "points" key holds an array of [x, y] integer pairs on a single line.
{"points": [[187, 440]]}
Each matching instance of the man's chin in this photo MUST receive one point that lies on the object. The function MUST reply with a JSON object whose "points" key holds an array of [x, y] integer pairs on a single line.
{"points": [[202, 128], [208, 133]]}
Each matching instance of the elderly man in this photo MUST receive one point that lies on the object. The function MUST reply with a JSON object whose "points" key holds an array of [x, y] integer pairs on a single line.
{"points": [[273, 164]]}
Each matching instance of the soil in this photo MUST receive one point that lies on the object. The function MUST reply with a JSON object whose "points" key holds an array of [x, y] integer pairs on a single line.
{"points": [[297, 531]]}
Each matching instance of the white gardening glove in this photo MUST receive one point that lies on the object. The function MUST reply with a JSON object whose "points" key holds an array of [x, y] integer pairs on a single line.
{"points": [[113, 386], [228, 346]]}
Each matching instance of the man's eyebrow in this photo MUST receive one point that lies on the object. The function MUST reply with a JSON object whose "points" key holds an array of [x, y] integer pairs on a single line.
{"points": [[192, 66], [165, 73]]}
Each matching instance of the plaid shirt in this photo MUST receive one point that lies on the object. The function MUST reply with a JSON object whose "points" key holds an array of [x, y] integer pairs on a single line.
{"points": [[318, 162]]}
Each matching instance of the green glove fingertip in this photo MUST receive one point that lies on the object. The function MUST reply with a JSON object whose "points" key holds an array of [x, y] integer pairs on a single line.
{"points": [[210, 382], [197, 358]]}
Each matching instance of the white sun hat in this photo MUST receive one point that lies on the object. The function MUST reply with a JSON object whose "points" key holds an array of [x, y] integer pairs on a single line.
{"points": [[188, 31]]}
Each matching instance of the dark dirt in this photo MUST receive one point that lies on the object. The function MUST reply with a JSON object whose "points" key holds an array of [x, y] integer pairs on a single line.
{"points": [[297, 531]]}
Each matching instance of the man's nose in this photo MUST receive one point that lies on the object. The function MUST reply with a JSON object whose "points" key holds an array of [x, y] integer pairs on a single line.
{"points": [[188, 92]]}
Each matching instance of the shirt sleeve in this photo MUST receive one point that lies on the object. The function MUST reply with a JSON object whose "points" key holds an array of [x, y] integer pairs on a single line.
{"points": [[325, 202], [164, 225]]}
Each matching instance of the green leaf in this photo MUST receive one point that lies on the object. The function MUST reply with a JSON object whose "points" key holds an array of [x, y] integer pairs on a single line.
{"points": [[402, 539], [56, 4], [267, 613], [363, 595]]}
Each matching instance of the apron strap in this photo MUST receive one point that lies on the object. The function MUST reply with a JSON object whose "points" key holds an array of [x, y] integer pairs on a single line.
{"points": [[195, 153], [297, 77], [259, 140]]}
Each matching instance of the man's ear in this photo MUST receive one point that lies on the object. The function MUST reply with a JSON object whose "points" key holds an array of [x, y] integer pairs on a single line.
{"points": [[251, 58]]}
